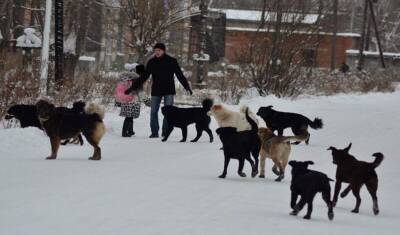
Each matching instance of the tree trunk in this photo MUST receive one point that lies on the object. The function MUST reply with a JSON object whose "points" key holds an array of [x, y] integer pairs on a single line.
{"points": [[59, 42]]}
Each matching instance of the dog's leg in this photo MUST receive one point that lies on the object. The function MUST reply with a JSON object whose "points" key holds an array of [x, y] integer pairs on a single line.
{"points": [[254, 166], [199, 131], [184, 134], [226, 163], [299, 206], [293, 200], [55, 145], [240, 168], [356, 192], [210, 134], [326, 196], [263, 156], [281, 172], [80, 139], [338, 185], [255, 154], [275, 169], [280, 132], [166, 135], [94, 140], [97, 150], [372, 186], [309, 207]]}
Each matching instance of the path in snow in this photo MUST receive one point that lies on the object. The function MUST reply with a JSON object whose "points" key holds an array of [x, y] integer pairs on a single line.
{"points": [[143, 186]]}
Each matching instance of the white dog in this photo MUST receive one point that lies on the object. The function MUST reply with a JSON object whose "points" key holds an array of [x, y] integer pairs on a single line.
{"points": [[229, 118]]}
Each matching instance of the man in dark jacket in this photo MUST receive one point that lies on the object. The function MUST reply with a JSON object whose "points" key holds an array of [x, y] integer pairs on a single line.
{"points": [[162, 68]]}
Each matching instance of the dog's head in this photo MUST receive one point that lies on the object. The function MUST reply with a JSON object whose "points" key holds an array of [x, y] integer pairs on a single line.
{"points": [[265, 112], [79, 106], [265, 133], [339, 155], [45, 110], [299, 167], [13, 112]]}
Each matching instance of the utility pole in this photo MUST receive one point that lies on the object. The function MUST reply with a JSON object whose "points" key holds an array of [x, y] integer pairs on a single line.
{"points": [[59, 42], [369, 4], [334, 34], [45, 49]]}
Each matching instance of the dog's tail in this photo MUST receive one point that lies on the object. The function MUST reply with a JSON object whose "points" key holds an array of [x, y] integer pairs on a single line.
{"points": [[92, 108], [316, 124], [253, 124], [207, 104], [378, 159]]}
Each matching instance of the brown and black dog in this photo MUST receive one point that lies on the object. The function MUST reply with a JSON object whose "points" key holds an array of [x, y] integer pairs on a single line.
{"points": [[59, 126], [356, 173]]}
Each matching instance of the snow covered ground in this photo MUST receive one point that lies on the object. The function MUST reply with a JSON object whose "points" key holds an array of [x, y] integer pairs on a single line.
{"points": [[143, 186]]}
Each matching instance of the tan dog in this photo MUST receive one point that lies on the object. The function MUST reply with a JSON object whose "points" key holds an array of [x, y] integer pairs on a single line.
{"points": [[277, 148]]}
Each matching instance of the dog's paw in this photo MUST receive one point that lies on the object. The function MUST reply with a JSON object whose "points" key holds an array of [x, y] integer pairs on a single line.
{"points": [[51, 157], [223, 176], [307, 217], [296, 143], [242, 174], [94, 158], [163, 140], [254, 174], [182, 141], [261, 176], [294, 213], [330, 215], [355, 211], [193, 141]]}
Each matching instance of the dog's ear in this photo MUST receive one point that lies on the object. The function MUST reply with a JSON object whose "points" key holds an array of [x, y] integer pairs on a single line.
{"points": [[309, 162], [269, 107], [331, 148], [348, 148], [292, 162]]}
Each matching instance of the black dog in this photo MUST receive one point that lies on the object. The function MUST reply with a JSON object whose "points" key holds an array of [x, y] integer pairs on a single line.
{"points": [[26, 115], [239, 145], [278, 121], [307, 183], [356, 173], [60, 126], [182, 117]]}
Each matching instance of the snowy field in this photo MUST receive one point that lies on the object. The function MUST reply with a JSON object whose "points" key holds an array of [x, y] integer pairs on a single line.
{"points": [[144, 186]]}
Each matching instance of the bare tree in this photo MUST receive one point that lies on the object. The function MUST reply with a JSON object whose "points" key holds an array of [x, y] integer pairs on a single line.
{"points": [[277, 61], [147, 22]]}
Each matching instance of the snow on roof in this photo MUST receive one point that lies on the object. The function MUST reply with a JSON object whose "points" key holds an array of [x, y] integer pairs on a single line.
{"points": [[374, 53], [247, 29], [252, 15], [29, 39], [87, 58]]}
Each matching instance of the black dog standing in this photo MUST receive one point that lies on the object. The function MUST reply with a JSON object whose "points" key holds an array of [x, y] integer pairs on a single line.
{"points": [[239, 145], [182, 117], [306, 184], [279, 121], [356, 173]]}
